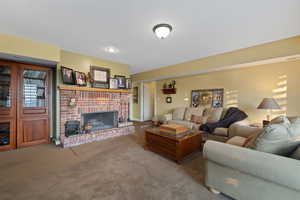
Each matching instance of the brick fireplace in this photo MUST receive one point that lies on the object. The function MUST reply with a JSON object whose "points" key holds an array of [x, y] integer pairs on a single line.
{"points": [[94, 107]]}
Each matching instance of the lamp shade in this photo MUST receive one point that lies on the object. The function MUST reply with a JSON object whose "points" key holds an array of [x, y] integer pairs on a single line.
{"points": [[269, 104]]}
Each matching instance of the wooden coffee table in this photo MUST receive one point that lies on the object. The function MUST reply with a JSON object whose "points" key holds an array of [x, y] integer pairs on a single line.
{"points": [[172, 147]]}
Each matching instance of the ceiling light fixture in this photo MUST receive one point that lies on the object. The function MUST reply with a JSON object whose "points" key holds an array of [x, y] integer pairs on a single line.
{"points": [[111, 49], [162, 30]]}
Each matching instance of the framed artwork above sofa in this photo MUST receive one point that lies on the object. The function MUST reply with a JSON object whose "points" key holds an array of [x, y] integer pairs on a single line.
{"points": [[207, 98]]}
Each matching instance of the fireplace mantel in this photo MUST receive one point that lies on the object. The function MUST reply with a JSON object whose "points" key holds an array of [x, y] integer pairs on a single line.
{"points": [[63, 87]]}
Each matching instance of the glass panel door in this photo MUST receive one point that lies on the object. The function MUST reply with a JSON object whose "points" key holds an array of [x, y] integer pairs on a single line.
{"points": [[5, 84], [34, 88], [4, 133]]}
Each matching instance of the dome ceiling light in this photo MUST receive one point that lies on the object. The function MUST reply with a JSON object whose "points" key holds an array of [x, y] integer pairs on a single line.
{"points": [[162, 30], [111, 49]]}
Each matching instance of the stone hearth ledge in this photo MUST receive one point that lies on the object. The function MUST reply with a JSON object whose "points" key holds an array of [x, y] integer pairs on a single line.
{"points": [[77, 140]]}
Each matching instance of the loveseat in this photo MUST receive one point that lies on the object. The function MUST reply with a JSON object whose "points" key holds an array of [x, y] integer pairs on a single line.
{"points": [[183, 116], [246, 173]]}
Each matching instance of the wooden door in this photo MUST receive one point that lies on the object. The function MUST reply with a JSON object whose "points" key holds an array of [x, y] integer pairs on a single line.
{"points": [[8, 113], [34, 105]]}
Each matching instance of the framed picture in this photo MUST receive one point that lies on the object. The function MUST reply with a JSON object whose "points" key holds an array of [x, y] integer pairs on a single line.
{"points": [[100, 77], [121, 81], [128, 83], [168, 99], [135, 95], [113, 83], [67, 75], [80, 78], [207, 98]]}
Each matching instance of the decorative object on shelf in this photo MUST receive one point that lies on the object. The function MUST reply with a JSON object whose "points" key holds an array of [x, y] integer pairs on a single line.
{"points": [[72, 102], [165, 86], [121, 81], [80, 78], [162, 30], [113, 83], [168, 99], [268, 104], [136, 95], [207, 97], [173, 84], [100, 77], [67, 75], [128, 83]]}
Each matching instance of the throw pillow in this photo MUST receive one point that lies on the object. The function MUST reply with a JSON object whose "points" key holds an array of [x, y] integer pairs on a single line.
{"points": [[193, 111], [280, 119], [213, 114], [196, 119], [280, 139], [178, 113], [249, 142]]}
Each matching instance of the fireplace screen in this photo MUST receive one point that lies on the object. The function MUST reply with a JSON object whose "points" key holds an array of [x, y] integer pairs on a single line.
{"points": [[100, 120]]}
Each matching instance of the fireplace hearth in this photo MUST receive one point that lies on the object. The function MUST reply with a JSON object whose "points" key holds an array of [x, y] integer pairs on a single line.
{"points": [[99, 121]]}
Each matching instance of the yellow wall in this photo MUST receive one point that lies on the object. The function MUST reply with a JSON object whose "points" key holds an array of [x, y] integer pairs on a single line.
{"points": [[244, 88], [276, 49], [19, 46], [82, 63]]}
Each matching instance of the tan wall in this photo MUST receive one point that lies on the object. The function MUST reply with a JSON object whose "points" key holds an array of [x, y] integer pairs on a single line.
{"points": [[276, 49], [19, 46], [244, 88]]}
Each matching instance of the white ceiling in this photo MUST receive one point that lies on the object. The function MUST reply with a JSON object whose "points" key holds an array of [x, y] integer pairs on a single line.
{"points": [[201, 28]]}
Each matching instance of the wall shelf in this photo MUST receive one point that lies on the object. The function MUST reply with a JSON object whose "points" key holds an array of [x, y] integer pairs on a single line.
{"points": [[169, 91], [63, 87]]}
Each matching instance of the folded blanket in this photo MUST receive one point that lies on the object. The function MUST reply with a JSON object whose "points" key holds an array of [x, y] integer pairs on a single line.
{"points": [[232, 115]]}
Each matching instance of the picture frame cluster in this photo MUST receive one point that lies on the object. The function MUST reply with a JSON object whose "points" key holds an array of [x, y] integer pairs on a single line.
{"points": [[99, 77]]}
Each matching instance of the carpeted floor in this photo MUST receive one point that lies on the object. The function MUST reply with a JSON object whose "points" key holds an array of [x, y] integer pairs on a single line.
{"points": [[117, 168]]}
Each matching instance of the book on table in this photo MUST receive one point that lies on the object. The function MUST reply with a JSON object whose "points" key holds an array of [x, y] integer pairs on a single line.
{"points": [[173, 129]]}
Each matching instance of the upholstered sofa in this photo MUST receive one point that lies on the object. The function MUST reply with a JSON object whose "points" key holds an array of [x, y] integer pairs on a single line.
{"points": [[247, 174], [183, 115]]}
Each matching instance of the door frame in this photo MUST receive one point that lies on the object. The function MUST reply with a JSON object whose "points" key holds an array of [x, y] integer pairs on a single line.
{"points": [[16, 87]]}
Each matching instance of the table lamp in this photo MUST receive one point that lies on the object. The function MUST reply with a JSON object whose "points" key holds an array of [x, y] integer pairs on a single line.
{"points": [[268, 104]]}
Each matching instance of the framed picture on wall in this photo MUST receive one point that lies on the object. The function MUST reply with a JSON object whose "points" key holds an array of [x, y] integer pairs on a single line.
{"points": [[121, 81], [67, 75], [113, 83], [207, 98], [135, 95], [80, 78], [128, 83], [100, 77]]}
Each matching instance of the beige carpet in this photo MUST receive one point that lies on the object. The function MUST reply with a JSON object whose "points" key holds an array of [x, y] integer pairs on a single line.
{"points": [[117, 168]]}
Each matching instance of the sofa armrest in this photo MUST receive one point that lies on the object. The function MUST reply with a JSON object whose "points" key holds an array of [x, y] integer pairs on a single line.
{"points": [[165, 117], [242, 129], [274, 168]]}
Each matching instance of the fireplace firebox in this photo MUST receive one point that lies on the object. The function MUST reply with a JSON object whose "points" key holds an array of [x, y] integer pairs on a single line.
{"points": [[99, 120]]}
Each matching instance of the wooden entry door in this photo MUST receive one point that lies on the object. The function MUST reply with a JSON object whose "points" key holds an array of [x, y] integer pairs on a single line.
{"points": [[8, 111], [34, 105]]}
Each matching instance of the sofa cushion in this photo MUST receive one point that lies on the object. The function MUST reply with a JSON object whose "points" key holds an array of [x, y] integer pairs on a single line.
{"points": [[249, 142], [237, 141], [221, 131], [280, 139], [178, 113], [213, 114], [193, 111], [188, 124]]}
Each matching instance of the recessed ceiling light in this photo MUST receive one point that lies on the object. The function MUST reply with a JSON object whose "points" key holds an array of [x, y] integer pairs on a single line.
{"points": [[111, 49], [162, 30]]}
